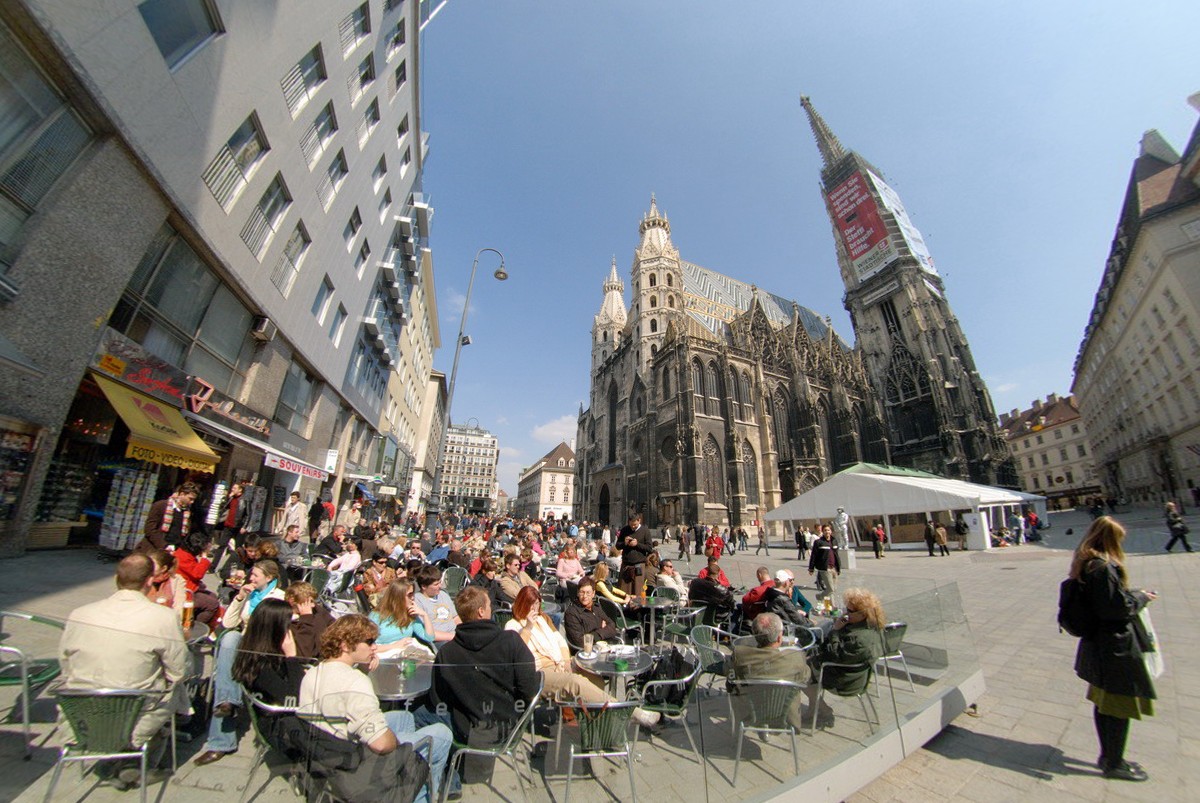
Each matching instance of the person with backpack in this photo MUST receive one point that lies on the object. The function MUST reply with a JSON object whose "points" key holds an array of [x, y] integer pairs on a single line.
{"points": [[1096, 604]]}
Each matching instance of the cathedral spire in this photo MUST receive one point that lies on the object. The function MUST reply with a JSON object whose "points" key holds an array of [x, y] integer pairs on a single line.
{"points": [[827, 143]]}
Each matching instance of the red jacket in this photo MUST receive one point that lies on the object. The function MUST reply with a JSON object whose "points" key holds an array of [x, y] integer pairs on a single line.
{"points": [[721, 578], [191, 568], [752, 602], [716, 543]]}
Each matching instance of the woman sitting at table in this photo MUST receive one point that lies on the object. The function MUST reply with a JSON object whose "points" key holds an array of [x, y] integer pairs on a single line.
{"points": [[569, 569], [610, 593], [401, 621], [857, 638], [309, 619], [377, 577], [192, 562], [552, 657], [267, 666]]}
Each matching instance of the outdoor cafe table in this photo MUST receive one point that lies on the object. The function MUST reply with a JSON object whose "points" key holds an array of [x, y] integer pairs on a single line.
{"points": [[604, 665], [391, 684], [653, 605]]}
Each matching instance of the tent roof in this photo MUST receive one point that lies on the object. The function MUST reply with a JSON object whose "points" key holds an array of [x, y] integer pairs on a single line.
{"points": [[883, 468], [868, 494]]}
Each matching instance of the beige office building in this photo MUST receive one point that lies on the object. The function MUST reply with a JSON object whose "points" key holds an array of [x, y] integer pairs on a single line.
{"points": [[1050, 446]]}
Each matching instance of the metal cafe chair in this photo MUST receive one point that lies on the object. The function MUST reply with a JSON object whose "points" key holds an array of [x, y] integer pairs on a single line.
{"points": [[505, 750], [859, 690], [256, 709], [603, 733], [762, 706], [653, 699], [18, 668], [893, 637]]}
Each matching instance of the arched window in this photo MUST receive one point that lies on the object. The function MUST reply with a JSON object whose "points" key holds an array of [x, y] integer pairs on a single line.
{"points": [[653, 326], [744, 397], [653, 280], [714, 478], [713, 386], [698, 383], [670, 281], [653, 302], [612, 422], [653, 349], [749, 474], [666, 382], [606, 337], [735, 395], [671, 302], [827, 437], [781, 424]]}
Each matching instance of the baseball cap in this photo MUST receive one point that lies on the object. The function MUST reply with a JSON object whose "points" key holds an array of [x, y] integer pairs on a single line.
{"points": [[784, 575]]}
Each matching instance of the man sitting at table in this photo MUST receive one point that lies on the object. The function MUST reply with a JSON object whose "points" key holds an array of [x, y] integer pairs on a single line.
{"points": [[485, 676], [778, 600], [436, 603], [290, 548], [766, 661], [754, 603], [344, 696], [333, 544], [584, 617], [513, 579]]}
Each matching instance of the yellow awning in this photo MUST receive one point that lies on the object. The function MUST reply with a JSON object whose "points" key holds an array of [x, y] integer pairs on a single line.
{"points": [[158, 432]]}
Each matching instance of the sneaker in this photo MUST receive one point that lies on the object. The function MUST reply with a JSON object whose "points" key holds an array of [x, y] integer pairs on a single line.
{"points": [[647, 719], [1126, 771]]}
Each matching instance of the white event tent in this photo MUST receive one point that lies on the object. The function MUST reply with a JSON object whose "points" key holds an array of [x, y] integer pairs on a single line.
{"points": [[866, 490]]}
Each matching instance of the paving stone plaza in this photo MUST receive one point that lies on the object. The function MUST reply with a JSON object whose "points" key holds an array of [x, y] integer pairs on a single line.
{"points": [[1032, 737]]}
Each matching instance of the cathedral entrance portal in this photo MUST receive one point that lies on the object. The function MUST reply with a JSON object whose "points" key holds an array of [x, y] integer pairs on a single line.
{"points": [[603, 511]]}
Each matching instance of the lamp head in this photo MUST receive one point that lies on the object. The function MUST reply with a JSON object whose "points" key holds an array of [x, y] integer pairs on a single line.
{"points": [[501, 273]]}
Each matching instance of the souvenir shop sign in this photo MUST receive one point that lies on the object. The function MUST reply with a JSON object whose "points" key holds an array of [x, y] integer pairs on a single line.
{"points": [[124, 360], [295, 467], [207, 402]]}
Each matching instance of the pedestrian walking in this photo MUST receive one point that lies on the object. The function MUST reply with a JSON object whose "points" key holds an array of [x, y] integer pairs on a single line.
{"points": [[1178, 529], [684, 544], [762, 541], [825, 563], [743, 540], [939, 534], [930, 537], [879, 539], [1111, 652], [801, 542]]}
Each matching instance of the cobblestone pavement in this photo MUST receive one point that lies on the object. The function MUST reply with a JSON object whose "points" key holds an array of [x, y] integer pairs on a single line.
{"points": [[1033, 738]]}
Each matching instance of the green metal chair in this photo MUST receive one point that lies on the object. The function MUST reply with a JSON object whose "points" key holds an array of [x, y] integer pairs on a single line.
{"points": [[859, 690], [502, 616], [17, 668], [631, 633], [319, 579], [762, 706], [603, 732], [712, 661], [893, 637], [505, 750], [102, 723], [256, 708], [454, 580], [674, 712]]}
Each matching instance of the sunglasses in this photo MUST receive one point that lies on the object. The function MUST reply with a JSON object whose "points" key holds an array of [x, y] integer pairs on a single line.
{"points": [[370, 642]]}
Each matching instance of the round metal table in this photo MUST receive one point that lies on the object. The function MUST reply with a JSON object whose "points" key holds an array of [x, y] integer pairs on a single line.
{"points": [[604, 665], [391, 684], [653, 605]]}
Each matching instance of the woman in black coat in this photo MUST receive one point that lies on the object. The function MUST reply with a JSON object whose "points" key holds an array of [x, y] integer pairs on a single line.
{"points": [[1110, 656]]}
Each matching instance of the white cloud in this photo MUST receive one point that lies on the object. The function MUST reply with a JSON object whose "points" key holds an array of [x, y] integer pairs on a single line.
{"points": [[1007, 387], [556, 431]]}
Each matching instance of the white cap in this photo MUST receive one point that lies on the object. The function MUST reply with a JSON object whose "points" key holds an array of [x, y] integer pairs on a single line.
{"points": [[783, 575]]}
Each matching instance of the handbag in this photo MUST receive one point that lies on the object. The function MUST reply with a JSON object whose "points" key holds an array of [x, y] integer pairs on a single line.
{"points": [[1151, 654]]}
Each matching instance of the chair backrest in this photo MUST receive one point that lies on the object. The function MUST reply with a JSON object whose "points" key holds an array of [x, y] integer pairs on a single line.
{"points": [[102, 720], [604, 727], [711, 658], [502, 616], [454, 580], [318, 579], [893, 637], [613, 611], [676, 691], [664, 592], [256, 707], [759, 703], [862, 683]]}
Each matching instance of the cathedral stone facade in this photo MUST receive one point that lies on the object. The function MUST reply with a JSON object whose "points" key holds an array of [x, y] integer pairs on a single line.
{"points": [[713, 401]]}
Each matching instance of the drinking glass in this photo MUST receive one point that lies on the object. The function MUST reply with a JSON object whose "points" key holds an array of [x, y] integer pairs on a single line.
{"points": [[587, 643]]}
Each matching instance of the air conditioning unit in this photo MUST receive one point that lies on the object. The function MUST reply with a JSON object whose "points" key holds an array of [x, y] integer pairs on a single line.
{"points": [[264, 329]]}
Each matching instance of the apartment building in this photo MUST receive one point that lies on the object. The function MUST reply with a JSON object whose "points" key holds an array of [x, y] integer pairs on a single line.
{"points": [[468, 483], [547, 488], [1050, 446]]}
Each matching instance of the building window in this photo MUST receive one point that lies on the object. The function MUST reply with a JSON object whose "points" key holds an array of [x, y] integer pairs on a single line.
{"points": [[1039, 439], [320, 304], [288, 267], [397, 40], [1058, 434], [1037, 484], [295, 399], [266, 216], [405, 161], [1062, 455], [337, 324], [39, 139], [1081, 450], [353, 225], [178, 309], [360, 259], [179, 27], [230, 170], [399, 77], [335, 175], [1045, 459], [369, 122], [318, 136], [1074, 431], [385, 204], [303, 80], [379, 173], [1070, 477], [402, 131], [361, 79], [354, 28]]}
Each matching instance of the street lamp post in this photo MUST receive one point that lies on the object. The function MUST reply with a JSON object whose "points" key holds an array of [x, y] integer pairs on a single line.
{"points": [[501, 274]]}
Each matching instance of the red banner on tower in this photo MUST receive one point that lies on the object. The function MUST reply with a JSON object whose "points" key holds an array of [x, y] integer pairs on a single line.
{"points": [[863, 232]]}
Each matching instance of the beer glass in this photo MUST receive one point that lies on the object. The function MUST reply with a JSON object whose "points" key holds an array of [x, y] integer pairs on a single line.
{"points": [[189, 610], [587, 643]]}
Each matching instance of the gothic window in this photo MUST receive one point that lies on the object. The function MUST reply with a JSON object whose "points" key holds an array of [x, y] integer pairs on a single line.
{"points": [[653, 349], [666, 382], [698, 383], [653, 302], [653, 280], [744, 390], [653, 326], [749, 473], [612, 423], [713, 386], [827, 436], [735, 394], [781, 425], [671, 302], [714, 480], [670, 281]]}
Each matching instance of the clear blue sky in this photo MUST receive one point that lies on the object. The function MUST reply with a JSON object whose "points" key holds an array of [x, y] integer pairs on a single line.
{"points": [[1008, 129]]}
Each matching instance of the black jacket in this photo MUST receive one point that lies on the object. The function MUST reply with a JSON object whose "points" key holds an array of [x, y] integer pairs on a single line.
{"points": [[781, 605], [707, 591], [578, 621], [636, 554], [820, 558], [480, 676], [1111, 659], [492, 587]]}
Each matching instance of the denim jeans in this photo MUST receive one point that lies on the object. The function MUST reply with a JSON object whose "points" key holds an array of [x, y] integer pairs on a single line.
{"points": [[222, 731], [404, 726]]}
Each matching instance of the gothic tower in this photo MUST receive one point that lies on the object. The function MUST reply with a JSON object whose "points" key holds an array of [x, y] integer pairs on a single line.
{"points": [[938, 409], [610, 320], [657, 285]]}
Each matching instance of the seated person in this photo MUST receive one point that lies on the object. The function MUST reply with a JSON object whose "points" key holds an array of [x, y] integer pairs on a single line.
{"points": [[486, 579], [436, 603], [801, 601], [714, 568], [346, 562], [402, 623], [767, 661], [531, 565], [193, 558], [309, 619], [857, 638], [458, 556], [513, 579], [337, 690], [610, 593], [753, 603], [332, 545], [778, 600], [377, 577], [669, 578], [290, 548], [583, 616], [441, 549], [707, 590], [238, 565], [485, 675], [268, 667]]}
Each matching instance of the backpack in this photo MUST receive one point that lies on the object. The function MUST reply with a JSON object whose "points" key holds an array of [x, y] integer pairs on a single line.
{"points": [[1074, 617], [671, 666]]}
